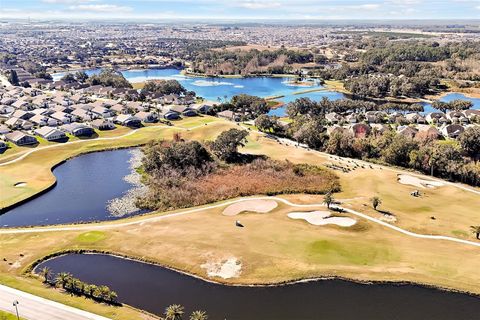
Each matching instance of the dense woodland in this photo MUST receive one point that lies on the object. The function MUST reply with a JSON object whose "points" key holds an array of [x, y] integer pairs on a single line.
{"points": [[426, 152], [189, 173], [240, 62]]}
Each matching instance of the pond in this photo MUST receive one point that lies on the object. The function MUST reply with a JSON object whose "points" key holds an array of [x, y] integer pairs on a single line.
{"points": [[219, 89], [85, 185], [152, 288]]}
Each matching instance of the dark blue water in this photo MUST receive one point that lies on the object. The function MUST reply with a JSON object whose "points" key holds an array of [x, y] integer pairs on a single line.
{"points": [[84, 186], [153, 288]]}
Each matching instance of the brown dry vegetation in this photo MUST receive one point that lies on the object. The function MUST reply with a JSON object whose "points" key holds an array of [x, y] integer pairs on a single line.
{"points": [[259, 177]]}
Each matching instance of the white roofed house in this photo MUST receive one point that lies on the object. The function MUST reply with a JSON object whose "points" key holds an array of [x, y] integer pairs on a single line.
{"points": [[20, 138], [78, 129], [457, 117], [14, 123], [50, 133], [102, 124], [39, 120], [184, 111], [334, 118], [84, 115], [415, 117], [22, 114], [147, 117], [201, 108], [119, 109], [128, 120], [62, 117], [102, 112], [436, 118]]}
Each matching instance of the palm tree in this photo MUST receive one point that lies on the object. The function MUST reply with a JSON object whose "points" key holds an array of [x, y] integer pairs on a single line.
{"points": [[376, 201], [476, 231], [62, 279], [112, 296], [174, 312], [46, 272], [328, 199], [198, 315], [104, 292]]}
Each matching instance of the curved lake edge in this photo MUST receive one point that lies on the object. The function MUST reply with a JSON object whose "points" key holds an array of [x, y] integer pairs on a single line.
{"points": [[54, 184], [30, 270]]}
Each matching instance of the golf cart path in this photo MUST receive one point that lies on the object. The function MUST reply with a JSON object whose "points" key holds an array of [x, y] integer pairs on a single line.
{"points": [[146, 219], [32, 307]]}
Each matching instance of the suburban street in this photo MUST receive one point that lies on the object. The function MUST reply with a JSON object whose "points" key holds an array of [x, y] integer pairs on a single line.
{"points": [[35, 308]]}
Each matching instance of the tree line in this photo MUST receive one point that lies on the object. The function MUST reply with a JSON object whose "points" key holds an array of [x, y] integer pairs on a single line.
{"points": [[456, 160], [77, 287]]}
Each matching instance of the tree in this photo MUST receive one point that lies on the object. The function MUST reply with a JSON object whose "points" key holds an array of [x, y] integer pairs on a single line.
{"points": [[46, 272], [226, 145], [81, 76], [440, 106], [163, 87], [470, 141], [264, 123], [376, 201], [328, 199], [476, 231], [13, 78], [174, 312], [182, 157], [109, 77], [62, 279], [198, 315], [312, 133]]}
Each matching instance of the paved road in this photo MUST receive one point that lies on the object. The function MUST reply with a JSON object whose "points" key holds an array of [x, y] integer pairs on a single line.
{"points": [[32, 307]]}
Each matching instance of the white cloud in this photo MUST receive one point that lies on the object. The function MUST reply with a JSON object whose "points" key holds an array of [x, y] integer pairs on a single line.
{"points": [[253, 4], [68, 1], [101, 8]]}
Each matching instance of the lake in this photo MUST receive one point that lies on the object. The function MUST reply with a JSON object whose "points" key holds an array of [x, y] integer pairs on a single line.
{"points": [[219, 89], [84, 186], [152, 288]]}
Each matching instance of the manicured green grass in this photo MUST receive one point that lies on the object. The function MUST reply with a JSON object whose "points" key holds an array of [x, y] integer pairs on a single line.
{"points": [[91, 237], [8, 316]]}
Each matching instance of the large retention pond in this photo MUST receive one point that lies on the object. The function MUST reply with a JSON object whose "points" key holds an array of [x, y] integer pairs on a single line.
{"points": [[219, 89], [152, 288], [85, 185]]}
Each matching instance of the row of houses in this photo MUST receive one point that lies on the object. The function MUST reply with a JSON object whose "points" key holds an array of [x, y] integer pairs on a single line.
{"points": [[29, 112]]}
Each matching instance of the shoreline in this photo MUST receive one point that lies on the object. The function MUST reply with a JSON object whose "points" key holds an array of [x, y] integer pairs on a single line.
{"points": [[30, 269]]}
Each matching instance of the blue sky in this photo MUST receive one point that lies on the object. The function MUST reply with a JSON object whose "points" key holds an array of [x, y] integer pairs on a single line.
{"points": [[159, 10]]}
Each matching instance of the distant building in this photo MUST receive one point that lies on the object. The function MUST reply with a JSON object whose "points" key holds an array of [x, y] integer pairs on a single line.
{"points": [[50, 134]]}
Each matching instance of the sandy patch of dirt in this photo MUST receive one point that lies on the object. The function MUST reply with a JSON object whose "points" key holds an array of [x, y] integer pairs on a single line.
{"points": [[418, 182], [321, 218], [259, 206], [225, 269]]}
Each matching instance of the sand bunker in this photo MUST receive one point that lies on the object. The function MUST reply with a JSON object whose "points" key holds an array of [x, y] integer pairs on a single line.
{"points": [[230, 268], [321, 218], [20, 184], [418, 182], [260, 206]]}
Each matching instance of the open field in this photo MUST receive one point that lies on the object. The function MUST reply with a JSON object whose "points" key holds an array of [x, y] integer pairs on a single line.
{"points": [[272, 247]]}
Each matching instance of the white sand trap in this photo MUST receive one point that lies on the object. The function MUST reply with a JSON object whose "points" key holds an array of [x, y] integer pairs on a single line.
{"points": [[230, 268], [20, 184], [418, 182], [321, 218], [260, 206]]}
